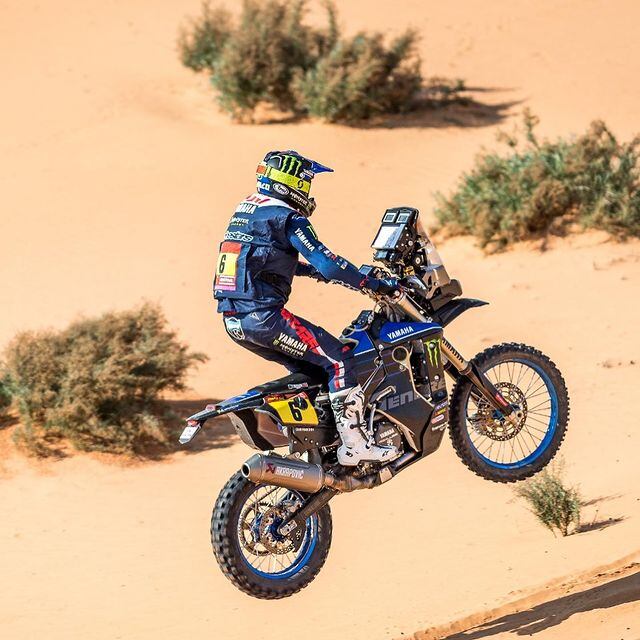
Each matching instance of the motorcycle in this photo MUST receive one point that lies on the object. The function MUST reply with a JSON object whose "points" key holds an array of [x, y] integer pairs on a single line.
{"points": [[506, 414]]}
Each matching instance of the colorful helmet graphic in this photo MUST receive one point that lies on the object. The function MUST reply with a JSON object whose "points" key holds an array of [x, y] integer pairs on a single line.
{"points": [[287, 175]]}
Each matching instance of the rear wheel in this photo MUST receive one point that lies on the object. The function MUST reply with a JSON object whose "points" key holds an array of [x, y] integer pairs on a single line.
{"points": [[248, 548], [489, 444]]}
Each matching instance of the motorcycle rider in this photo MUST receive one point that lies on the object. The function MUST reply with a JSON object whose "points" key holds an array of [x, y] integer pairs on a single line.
{"points": [[257, 262]]}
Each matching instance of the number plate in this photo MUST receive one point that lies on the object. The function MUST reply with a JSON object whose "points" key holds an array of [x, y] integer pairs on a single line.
{"points": [[296, 410], [189, 433], [226, 272]]}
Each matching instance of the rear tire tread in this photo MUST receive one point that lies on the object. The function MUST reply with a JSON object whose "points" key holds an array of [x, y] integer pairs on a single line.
{"points": [[232, 564]]}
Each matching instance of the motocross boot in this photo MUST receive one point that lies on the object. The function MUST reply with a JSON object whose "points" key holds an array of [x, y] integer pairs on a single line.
{"points": [[357, 446]]}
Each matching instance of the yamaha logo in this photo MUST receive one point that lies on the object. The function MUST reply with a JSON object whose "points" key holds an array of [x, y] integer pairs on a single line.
{"points": [[399, 333]]}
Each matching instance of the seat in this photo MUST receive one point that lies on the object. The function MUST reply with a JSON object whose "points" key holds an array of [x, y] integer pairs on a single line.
{"points": [[292, 382]]}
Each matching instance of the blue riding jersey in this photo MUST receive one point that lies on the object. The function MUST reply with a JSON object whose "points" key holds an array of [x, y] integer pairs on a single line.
{"points": [[258, 257]]}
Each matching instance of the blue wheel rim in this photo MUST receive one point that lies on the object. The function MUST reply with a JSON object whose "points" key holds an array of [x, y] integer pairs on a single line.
{"points": [[550, 430], [296, 561]]}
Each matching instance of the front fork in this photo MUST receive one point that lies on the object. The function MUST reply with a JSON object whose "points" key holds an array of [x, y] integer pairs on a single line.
{"points": [[464, 367], [481, 382]]}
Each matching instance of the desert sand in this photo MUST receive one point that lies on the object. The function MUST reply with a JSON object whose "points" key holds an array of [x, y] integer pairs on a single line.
{"points": [[118, 176], [602, 605]]}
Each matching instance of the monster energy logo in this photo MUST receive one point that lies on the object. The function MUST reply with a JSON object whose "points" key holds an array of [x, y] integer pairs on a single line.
{"points": [[433, 348], [290, 165]]}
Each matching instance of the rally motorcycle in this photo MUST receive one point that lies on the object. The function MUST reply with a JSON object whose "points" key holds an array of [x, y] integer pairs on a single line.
{"points": [[507, 415]]}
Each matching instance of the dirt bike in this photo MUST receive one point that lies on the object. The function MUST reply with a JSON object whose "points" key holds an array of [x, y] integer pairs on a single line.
{"points": [[507, 415]]}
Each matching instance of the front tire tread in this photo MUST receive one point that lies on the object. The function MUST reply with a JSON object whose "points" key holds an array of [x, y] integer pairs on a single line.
{"points": [[457, 414]]}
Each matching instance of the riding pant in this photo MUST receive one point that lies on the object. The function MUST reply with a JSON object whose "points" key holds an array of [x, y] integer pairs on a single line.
{"points": [[302, 347]]}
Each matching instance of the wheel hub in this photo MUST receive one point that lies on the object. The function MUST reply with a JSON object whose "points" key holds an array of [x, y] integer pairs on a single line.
{"points": [[273, 541], [489, 422], [259, 524]]}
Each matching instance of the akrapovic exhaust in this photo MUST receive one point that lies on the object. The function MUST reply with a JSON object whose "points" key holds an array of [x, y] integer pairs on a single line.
{"points": [[303, 476], [284, 472]]}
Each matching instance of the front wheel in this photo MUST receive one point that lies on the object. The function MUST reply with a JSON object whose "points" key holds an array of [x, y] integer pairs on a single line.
{"points": [[248, 548], [489, 444]]}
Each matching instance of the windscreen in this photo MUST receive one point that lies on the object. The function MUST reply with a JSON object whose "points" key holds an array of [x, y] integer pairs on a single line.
{"points": [[388, 236]]}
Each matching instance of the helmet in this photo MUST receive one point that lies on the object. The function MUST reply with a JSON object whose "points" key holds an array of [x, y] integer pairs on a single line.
{"points": [[287, 175]]}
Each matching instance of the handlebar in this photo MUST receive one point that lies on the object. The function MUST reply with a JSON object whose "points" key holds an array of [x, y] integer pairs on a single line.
{"points": [[401, 302]]}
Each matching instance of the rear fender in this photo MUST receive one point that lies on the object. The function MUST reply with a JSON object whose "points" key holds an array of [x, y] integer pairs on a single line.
{"points": [[248, 400]]}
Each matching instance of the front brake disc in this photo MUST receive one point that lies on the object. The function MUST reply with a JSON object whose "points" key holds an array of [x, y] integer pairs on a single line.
{"points": [[486, 423]]}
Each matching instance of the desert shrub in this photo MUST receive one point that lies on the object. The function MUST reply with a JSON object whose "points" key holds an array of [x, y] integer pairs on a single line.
{"points": [[593, 180], [98, 382], [556, 505], [254, 61], [201, 41], [258, 63], [361, 77], [270, 56], [5, 394]]}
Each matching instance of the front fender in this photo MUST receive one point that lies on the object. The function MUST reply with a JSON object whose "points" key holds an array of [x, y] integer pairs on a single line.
{"points": [[450, 311]]}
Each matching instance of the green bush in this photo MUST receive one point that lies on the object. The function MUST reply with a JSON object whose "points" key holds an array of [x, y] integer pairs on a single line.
{"points": [[5, 395], [361, 77], [262, 56], [201, 42], [593, 180], [98, 382], [551, 501], [272, 57]]}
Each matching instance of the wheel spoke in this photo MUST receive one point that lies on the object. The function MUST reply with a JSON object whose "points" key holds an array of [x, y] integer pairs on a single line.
{"points": [[270, 554], [497, 440]]}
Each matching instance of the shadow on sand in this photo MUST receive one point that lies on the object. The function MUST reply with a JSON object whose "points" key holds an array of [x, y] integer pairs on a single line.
{"points": [[597, 523], [552, 613], [465, 111], [218, 433], [7, 421]]}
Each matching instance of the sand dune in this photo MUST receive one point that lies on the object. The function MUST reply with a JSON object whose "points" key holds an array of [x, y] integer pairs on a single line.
{"points": [[603, 605], [117, 178]]}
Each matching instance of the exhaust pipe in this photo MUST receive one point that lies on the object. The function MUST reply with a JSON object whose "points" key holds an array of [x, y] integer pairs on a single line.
{"points": [[300, 475], [284, 472]]}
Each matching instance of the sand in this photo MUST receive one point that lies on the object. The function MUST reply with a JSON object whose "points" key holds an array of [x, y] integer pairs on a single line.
{"points": [[603, 605], [117, 178]]}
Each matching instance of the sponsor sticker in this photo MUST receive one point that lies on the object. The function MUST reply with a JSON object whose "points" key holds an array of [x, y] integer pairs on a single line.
{"points": [[393, 402], [246, 207], [433, 350], [234, 327], [399, 333], [290, 345], [238, 235], [280, 188], [305, 241]]}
